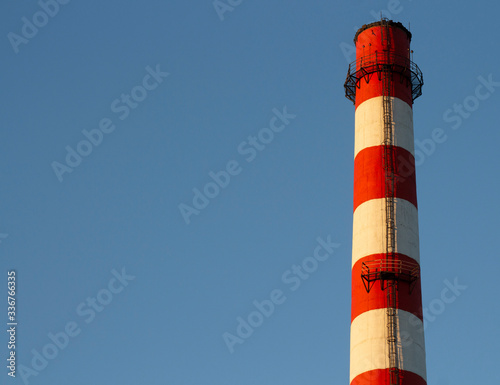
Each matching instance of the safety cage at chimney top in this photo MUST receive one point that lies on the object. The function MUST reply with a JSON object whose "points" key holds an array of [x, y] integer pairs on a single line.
{"points": [[379, 62]]}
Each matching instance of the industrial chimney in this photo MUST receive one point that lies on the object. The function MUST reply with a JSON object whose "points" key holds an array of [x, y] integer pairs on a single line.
{"points": [[387, 339]]}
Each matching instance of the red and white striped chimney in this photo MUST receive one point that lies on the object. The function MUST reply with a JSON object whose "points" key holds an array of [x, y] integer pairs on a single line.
{"points": [[387, 339]]}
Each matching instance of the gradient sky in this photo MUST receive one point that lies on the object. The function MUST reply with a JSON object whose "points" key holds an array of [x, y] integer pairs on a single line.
{"points": [[117, 211]]}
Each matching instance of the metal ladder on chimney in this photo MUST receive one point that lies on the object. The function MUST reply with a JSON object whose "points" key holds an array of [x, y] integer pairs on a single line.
{"points": [[388, 155]]}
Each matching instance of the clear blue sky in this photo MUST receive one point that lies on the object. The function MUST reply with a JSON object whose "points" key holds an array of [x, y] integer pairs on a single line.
{"points": [[229, 74]]}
